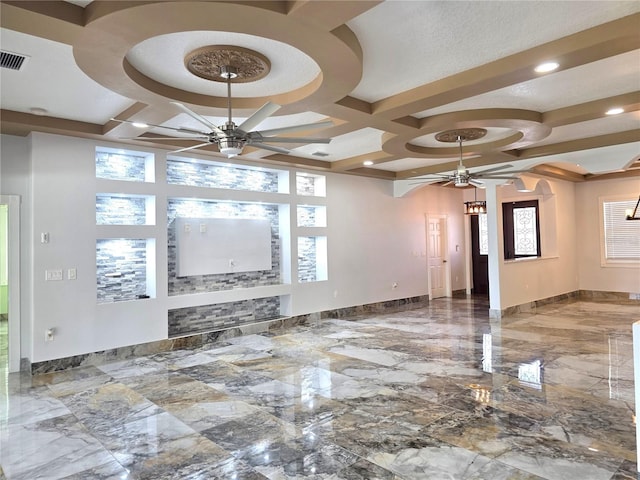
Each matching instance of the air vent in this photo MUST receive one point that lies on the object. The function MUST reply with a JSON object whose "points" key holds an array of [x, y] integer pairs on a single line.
{"points": [[320, 154], [12, 61]]}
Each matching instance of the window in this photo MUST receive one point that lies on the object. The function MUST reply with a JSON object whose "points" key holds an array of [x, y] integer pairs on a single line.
{"points": [[521, 228], [621, 236], [483, 234]]}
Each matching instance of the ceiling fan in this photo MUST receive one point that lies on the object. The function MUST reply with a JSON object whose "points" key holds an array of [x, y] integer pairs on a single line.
{"points": [[461, 176], [231, 138]]}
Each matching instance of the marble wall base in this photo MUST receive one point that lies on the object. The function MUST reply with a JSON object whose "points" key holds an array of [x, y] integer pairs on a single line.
{"points": [[619, 298], [201, 339], [180, 343], [379, 307], [613, 297]]}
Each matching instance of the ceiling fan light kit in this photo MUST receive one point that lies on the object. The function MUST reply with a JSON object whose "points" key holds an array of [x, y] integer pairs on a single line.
{"points": [[461, 176]]}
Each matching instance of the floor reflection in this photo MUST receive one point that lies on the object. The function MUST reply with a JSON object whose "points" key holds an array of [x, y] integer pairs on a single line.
{"points": [[437, 392]]}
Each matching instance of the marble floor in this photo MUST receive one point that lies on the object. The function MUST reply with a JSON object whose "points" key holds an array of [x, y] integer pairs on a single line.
{"points": [[441, 392]]}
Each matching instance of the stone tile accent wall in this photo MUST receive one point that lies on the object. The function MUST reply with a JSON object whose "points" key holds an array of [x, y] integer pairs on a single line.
{"points": [[114, 166], [220, 176], [121, 269], [306, 216], [119, 210], [226, 281], [307, 259], [305, 185], [190, 320]]}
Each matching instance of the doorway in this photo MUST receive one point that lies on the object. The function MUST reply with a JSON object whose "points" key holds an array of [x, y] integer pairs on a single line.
{"points": [[479, 255], [438, 268], [9, 283]]}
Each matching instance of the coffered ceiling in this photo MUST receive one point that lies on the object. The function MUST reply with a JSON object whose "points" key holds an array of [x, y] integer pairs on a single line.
{"points": [[390, 75]]}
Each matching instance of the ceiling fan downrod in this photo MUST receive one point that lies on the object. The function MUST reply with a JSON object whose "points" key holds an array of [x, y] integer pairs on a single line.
{"points": [[229, 72]]}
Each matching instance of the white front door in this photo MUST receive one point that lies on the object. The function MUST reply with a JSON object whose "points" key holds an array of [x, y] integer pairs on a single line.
{"points": [[436, 256]]}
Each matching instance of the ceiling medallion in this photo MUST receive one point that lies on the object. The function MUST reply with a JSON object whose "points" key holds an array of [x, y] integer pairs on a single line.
{"points": [[458, 134], [208, 63]]}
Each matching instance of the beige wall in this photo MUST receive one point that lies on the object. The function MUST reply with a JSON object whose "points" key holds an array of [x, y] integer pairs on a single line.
{"points": [[556, 273], [592, 275]]}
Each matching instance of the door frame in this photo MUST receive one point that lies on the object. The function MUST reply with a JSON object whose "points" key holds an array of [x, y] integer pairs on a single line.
{"points": [[13, 247], [444, 241]]}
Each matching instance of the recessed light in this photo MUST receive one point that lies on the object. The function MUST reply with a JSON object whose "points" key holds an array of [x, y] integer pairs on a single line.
{"points": [[546, 67], [38, 111], [615, 111], [367, 163], [140, 125]]}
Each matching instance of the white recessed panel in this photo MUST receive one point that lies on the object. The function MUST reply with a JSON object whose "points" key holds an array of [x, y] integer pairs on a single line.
{"points": [[222, 245]]}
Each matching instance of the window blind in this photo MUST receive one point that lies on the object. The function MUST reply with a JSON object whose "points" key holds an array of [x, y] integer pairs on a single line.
{"points": [[622, 237]]}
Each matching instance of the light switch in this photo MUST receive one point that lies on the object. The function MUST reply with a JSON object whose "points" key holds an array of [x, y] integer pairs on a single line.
{"points": [[187, 228], [203, 227], [72, 274], [52, 275]]}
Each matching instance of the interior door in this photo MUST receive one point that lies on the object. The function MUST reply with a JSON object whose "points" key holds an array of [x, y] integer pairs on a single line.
{"points": [[436, 238]]}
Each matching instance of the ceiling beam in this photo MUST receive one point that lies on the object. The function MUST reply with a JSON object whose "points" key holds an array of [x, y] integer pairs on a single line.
{"points": [[22, 124], [596, 43], [54, 20], [557, 172], [607, 140], [584, 112], [613, 175], [357, 161], [329, 14]]}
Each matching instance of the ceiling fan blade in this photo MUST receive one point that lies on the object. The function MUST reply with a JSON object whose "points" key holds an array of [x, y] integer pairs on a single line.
{"points": [[181, 129], [165, 138], [295, 128], [198, 117], [475, 183], [432, 176], [273, 148], [448, 183], [259, 116], [190, 148], [293, 139]]}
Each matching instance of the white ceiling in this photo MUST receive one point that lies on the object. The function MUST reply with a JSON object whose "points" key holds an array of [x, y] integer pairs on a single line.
{"points": [[405, 45]]}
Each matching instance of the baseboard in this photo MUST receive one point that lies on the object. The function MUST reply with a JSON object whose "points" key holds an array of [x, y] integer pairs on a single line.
{"points": [[201, 339], [620, 298]]}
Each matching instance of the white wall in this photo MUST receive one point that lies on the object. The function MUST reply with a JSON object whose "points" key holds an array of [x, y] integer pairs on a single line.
{"points": [[556, 273], [593, 276], [374, 240], [15, 179]]}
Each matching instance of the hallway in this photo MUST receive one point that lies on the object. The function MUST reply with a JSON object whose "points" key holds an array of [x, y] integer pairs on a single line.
{"points": [[440, 392]]}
